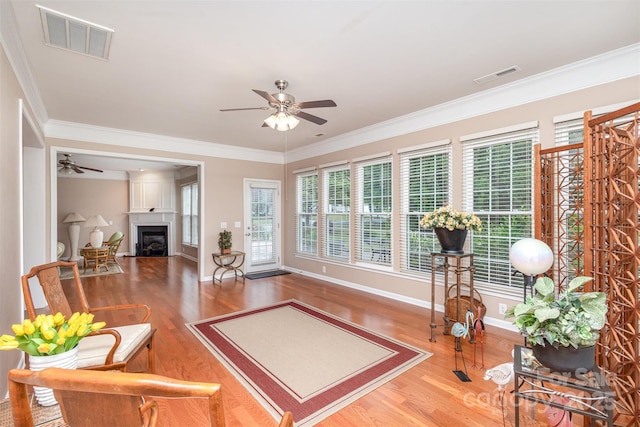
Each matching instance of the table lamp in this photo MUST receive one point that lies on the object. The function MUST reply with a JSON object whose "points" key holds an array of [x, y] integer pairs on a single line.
{"points": [[530, 257], [96, 236], [74, 219]]}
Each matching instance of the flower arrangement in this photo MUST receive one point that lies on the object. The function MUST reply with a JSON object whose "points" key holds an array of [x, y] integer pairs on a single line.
{"points": [[49, 334], [451, 219], [570, 319]]}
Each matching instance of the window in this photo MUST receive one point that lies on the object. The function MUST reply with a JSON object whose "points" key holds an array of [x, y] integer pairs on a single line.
{"points": [[374, 193], [425, 180], [190, 214], [497, 187], [337, 207], [307, 214]]}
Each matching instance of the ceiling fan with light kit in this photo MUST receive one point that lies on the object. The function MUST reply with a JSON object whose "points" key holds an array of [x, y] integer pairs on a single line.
{"points": [[68, 166], [287, 109]]}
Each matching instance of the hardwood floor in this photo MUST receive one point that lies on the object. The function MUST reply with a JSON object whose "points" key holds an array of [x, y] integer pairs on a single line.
{"points": [[426, 395]]}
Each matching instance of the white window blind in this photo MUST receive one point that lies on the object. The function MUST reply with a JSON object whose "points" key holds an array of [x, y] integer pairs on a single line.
{"points": [[374, 194], [426, 185], [497, 187], [336, 198], [189, 214], [307, 213]]}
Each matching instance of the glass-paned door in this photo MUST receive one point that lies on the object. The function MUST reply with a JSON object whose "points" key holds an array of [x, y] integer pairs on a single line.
{"points": [[262, 225]]}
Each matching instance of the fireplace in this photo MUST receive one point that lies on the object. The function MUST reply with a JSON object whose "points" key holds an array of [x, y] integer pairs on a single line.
{"points": [[159, 229], [152, 240]]}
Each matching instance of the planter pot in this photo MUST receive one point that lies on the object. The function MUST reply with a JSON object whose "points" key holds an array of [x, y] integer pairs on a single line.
{"points": [[451, 241], [225, 251], [566, 359], [66, 360]]}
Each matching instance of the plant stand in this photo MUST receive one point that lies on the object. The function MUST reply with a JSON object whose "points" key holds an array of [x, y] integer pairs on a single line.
{"points": [[458, 264], [232, 261]]}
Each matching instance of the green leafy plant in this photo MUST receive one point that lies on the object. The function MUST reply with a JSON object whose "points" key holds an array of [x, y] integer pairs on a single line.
{"points": [[224, 240], [449, 218], [572, 319]]}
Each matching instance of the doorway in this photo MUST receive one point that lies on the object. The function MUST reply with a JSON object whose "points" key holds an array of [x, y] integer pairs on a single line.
{"points": [[262, 232]]}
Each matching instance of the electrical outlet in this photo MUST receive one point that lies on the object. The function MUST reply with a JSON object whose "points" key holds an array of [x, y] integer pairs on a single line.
{"points": [[324, 268], [223, 225], [502, 308], [237, 224]]}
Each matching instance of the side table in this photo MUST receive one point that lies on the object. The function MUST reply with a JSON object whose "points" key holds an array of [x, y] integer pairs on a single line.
{"points": [[456, 264], [232, 261], [588, 394], [96, 256]]}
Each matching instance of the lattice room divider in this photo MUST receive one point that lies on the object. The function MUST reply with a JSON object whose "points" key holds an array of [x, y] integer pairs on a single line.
{"points": [[588, 211]]}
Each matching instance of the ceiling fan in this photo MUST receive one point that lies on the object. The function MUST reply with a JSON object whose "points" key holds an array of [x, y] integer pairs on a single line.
{"points": [[68, 166], [286, 107]]}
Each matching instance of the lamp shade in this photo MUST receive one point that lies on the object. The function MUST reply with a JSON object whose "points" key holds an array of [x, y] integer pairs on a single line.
{"points": [[281, 121], [73, 217], [96, 221], [531, 256]]}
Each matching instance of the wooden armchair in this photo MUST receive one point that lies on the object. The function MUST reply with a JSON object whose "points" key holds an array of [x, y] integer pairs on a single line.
{"points": [[96, 399], [114, 243], [109, 348]]}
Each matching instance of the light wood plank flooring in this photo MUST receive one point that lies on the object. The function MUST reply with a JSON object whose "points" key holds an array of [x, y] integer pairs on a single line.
{"points": [[427, 395]]}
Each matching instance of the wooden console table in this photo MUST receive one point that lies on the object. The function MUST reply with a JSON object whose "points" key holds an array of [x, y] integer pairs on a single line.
{"points": [[96, 256], [456, 264], [232, 261]]}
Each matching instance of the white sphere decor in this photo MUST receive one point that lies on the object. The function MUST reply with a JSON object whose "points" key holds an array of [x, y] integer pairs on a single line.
{"points": [[531, 256]]}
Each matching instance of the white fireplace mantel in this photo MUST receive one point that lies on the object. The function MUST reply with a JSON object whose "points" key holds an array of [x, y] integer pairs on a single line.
{"points": [[152, 218]]}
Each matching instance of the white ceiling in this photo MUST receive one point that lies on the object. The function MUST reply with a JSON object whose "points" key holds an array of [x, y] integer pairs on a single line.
{"points": [[174, 64]]}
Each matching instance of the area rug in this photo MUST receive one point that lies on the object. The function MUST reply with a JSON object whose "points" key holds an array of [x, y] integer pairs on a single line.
{"points": [[293, 357], [43, 416], [113, 268], [262, 274]]}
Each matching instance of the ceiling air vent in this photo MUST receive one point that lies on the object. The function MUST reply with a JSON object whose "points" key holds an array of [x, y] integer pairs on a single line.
{"points": [[493, 76], [73, 34]]}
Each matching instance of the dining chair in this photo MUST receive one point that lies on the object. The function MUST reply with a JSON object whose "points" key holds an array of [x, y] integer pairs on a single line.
{"points": [[113, 347]]}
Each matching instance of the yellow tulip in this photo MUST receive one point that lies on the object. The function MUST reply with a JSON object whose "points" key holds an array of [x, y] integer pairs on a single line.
{"points": [[97, 326], [48, 334], [60, 341], [7, 338], [28, 327], [17, 329], [9, 345], [71, 330], [44, 348], [83, 330], [74, 317], [58, 319]]}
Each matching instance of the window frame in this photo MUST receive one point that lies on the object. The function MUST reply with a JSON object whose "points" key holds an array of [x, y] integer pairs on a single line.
{"points": [[310, 248], [333, 249], [190, 217]]}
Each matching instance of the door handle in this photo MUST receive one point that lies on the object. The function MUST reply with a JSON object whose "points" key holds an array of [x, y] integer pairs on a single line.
{"points": [[248, 234]]}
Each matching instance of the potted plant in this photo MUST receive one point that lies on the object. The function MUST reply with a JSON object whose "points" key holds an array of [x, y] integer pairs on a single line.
{"points": [[451, 227], [562, 330], [224, 242], [50, 341]]}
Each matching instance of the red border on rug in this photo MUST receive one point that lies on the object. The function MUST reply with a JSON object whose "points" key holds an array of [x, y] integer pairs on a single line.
{"points": [[281, 397]]}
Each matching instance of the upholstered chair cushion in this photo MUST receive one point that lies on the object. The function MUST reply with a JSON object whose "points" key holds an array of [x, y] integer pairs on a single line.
{"points": [[92, 351]]}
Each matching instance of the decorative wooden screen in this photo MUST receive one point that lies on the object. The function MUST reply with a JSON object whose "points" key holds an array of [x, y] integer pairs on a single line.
{"points": [[589, 198]]}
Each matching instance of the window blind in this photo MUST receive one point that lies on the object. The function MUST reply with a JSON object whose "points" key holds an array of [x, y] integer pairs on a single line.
{"points": [[425, 179], [497, 187], [374, 194], [336, 196], [307, 213]]}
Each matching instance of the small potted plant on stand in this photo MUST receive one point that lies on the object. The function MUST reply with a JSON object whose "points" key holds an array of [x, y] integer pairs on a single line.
{"points": [[562, 331], [224, 242]]}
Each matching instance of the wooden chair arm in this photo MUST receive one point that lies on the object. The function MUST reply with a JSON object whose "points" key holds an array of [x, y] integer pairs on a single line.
{"points": [[114, 347], [146, 308]]}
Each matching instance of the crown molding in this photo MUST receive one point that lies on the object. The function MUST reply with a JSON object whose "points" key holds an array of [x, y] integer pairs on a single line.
{"points": [[601, 69], [148, 141]]}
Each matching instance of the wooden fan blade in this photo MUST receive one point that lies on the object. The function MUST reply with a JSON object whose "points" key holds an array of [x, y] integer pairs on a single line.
{"points": [[242, 109], [315, 119], [76, 169], [315, 104], [267, 96], [89, 169]]}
